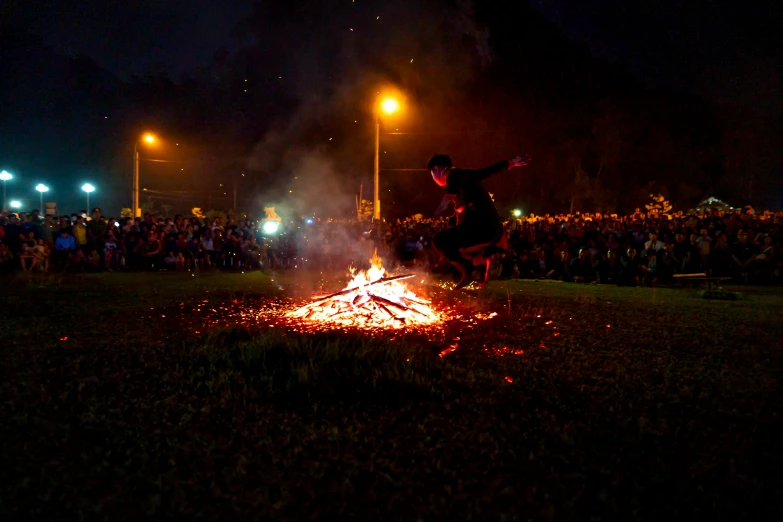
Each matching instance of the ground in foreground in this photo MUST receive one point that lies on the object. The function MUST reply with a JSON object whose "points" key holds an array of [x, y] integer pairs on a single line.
{"points": [[160, 395]]}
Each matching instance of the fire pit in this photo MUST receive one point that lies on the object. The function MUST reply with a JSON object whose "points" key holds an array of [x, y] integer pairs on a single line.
{"points": [[372, 299]]}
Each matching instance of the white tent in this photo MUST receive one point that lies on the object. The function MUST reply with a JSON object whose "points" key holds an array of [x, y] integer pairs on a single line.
{"points": [[711, 203]]}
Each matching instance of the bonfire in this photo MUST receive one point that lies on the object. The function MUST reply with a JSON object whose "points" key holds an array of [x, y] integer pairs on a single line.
{"points": [[372, 299]]}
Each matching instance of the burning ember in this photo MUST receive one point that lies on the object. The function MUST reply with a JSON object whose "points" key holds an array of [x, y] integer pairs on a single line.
{"points": [[371, 300]]}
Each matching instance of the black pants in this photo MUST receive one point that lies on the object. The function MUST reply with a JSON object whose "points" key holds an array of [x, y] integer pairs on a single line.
{"points": [[449, 242]]}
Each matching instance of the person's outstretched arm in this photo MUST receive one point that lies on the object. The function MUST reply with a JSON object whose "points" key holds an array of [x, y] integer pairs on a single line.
{"points": [[518, 161]]}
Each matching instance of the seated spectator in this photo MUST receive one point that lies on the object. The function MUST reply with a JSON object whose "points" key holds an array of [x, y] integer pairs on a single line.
{"points": [[561, 267], [720, 262], [131, 250], [64, 246], [170, 261], [76, 261], [6, 258], [743, 253], [667, 264], [44, 254], [507, 266], [80, 233], [542, 266], [629, 269], [767, 260], [94, 261], [527, 269], [46, 229], [650, 276], [152, 253], [692, 262], [581, 268], [28, 257], [704, 242], [653, 244], [612, 242], [111, 252], [609, 270]]}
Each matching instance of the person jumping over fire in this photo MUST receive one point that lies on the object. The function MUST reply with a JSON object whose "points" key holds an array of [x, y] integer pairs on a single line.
{"points": [[476, 221]]}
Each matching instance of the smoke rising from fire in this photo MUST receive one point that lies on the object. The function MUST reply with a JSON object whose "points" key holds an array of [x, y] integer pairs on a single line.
{"points": [[317, 156]]}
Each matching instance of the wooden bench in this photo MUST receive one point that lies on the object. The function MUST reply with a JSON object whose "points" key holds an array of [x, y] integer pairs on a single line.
{"points": [[701, 276]]}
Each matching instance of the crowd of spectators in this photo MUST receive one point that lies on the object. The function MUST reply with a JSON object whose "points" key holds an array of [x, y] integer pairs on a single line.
{"points": [[585, 248], [78, 243], [639, 250], [633, 250]]}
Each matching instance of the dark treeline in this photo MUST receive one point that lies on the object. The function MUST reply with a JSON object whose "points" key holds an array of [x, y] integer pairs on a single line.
{"points": [[479, 85]]}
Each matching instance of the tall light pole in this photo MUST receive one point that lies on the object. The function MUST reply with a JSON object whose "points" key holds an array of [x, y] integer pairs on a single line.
{"points": [[41, 188], [5, 176], [88, 188], [148, 138], [388, 106]]}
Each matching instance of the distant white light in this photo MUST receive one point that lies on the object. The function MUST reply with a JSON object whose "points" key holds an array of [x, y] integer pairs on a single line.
{"points": [[271, 227], [16, 204], [5, 175], [41, 188], [88, 188]]}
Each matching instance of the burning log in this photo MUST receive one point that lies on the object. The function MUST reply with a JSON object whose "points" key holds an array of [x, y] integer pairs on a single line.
{"points": [[370, 300], [383, 281]]}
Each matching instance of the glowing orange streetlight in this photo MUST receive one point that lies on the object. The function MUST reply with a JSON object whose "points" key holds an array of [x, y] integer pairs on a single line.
{"points": [[149, 139], [387, 105], [390, 105]]}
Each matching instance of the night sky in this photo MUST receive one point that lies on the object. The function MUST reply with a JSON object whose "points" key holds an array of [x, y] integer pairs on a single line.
{"points": [[719, 48], [135, 36], [725, 52]]}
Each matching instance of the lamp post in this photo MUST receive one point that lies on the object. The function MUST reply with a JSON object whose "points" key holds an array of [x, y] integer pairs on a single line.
{"points": [[388, 106], [5, 176], [148, 138], [16, 204], [88, 188], [41, 188]]}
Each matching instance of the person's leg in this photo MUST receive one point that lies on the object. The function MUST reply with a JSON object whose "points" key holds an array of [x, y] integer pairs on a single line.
{"points": [[449, 242]]}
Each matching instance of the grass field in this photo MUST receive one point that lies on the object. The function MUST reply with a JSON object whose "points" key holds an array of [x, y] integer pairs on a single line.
{"points": [[131, 396]]}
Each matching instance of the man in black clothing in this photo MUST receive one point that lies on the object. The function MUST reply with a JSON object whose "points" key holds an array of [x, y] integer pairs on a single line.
{"points": [[609, 270], [744, 255], [581, 268], [477, 220]]}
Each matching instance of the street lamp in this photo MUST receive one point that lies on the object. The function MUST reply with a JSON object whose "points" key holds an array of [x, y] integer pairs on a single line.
{"points": [[389, 106], [16, 204], [149, 139], [517, 213], [42, 188], [5, 176], [88, 188]]}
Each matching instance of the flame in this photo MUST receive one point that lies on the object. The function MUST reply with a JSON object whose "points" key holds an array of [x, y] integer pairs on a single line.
{"points": [[370, 301]]}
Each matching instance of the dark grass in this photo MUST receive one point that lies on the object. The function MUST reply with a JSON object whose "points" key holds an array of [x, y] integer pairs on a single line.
{"points": [[720, 295], [671, 412]]}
